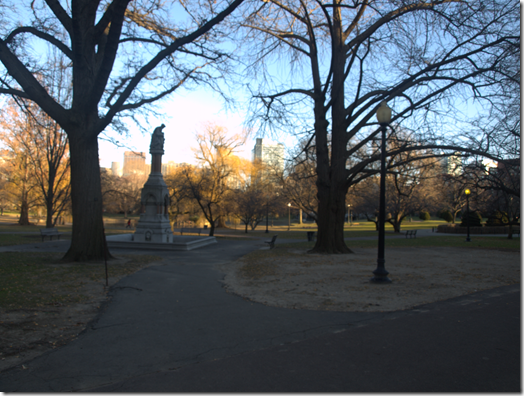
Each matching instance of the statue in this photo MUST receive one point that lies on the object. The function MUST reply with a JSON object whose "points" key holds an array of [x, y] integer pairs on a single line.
{"points": [[157, 140]]}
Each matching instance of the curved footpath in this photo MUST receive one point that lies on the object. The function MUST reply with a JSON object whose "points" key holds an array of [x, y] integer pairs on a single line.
{"points": [[173, 328]]}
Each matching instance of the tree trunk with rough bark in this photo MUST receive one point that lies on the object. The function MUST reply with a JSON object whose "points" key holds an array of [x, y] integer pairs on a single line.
{"points": [[50, 199], [221, 222], [88, 240], [331, 155], [24, 213]]}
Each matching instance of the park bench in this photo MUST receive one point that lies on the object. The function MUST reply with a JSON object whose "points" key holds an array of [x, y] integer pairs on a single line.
{"points": [[272, 242], [190, 231], [49, 232], [411, 233]]}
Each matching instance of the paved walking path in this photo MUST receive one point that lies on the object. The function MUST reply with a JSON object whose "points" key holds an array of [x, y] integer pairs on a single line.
{"points": [[173, 328]]}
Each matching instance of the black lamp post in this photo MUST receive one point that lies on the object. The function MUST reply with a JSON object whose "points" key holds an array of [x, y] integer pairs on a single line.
{"points": [[467, 192], [384, 118], [288, 216]]}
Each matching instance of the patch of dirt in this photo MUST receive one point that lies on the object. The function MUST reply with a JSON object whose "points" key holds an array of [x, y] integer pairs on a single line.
{"points": [[28, 333], [341, 282]]}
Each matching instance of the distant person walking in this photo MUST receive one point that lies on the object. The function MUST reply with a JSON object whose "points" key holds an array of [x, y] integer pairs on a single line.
{"points": [[128, 224]]}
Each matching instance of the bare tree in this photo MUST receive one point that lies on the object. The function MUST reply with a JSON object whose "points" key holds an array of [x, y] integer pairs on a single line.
{"points": [[453, 197], [411, 187], [41, 147], [179, 196], [412, 184], [122, 193], [209, 184], [123, 55], [249, 200], [346, 57], [298, 181]]}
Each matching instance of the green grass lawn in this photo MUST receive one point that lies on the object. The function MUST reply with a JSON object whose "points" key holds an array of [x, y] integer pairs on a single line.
{"points": [[35, 280], [30, 228], [19, 239]]}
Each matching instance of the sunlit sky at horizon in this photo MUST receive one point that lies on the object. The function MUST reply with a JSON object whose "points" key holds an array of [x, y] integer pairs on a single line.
{"points": [[184, 114]]}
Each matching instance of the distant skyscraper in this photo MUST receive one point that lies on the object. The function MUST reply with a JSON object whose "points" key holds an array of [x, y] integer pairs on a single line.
{"points": [[134, 163], [452, 165], [270, 153], [170, 167], [116, 169]]}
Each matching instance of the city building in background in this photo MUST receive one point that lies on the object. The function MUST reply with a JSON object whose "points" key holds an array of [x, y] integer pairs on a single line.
{"points": [[452, 165], [134, 163], [269, 153], [170, 167], [116, 169]]}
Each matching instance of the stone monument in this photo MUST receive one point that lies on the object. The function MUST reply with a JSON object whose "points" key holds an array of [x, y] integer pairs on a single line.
{"points": [[153, 230], [153, 225]]}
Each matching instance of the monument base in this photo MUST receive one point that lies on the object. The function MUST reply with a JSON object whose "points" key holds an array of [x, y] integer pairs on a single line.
{"points": [[125, 241], [153, 228]]}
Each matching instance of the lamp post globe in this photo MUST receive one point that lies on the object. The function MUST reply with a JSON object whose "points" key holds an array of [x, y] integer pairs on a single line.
{"points": [[384, 118], [384, 114]]}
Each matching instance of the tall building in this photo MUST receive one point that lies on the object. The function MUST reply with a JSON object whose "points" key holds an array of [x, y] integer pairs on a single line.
{"points": [[116, 169], [270, 153], [452, 165], [134, 163], [170, 167]]}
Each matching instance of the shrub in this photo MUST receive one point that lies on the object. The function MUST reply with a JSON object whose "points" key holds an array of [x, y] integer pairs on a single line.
{"points": [[497, 218], [473, 219], [446, 215], [424, 215]]}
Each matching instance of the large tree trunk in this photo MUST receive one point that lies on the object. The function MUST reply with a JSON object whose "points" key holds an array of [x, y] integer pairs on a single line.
{"points": [[221, 222], [49, 208], [331, 169], [396, 221], [331, 212], [24, 213], [88, 239]]}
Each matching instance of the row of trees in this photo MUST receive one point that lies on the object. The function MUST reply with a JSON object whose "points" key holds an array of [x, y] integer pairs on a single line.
{"points": [[35, 162], [416, 182], [226, 186], [336, 61]]}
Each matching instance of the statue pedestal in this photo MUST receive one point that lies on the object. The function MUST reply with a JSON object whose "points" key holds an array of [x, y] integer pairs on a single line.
{"points": [[153, 225]]}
